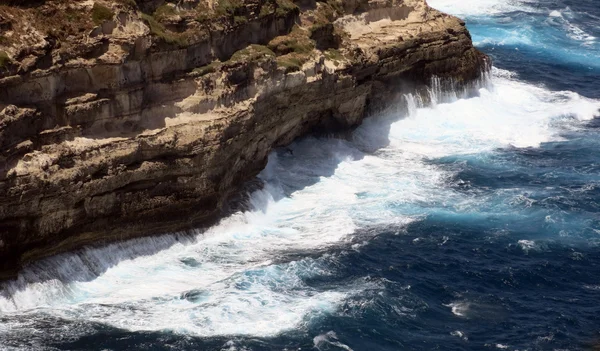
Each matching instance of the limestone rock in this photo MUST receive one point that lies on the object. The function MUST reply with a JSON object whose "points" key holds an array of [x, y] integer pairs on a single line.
{"points": [[136, 127]]}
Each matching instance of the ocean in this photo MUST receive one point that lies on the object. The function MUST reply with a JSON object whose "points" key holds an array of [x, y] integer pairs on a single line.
{"points": [[469, 224]]}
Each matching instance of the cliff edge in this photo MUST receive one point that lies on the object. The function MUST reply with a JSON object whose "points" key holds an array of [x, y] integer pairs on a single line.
{"points": [[122, 118]]}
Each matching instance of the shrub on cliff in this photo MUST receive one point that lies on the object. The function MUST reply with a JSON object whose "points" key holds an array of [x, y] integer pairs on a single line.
{"points": [[280, 8], [101, 14], [297, 41], [284, 7], [229, 8], [251, 53], [4, 59], [159, 31], [163, 12], [130, 3], [293, 49], [290, 63], [210, 68]]}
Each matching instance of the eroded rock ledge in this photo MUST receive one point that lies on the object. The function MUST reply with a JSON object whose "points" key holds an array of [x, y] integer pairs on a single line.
{"points": [[137, 118]]}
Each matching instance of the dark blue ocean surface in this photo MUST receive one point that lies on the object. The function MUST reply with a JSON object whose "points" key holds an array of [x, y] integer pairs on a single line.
{"points": [[473, 224]]}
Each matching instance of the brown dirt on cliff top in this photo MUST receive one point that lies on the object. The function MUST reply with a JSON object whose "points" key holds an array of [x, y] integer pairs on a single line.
{"points": [[56, 32], [59, 19]]}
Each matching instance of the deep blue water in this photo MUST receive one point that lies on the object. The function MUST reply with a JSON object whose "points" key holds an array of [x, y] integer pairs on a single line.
{"points": [[473, 224]]}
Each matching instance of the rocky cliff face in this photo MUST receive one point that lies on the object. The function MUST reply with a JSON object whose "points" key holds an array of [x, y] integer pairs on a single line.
{"points": [[124, 118]]}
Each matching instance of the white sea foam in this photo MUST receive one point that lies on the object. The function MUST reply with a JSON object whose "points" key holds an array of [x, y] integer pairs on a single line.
{"points": [[459, 334], [527, 245], [242, 276], [477, 7], [555, 14], [459, 309], [329, 338], [511, 114], [572, 30]]}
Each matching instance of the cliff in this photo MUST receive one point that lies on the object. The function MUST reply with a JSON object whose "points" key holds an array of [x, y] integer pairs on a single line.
{"points": [[125, 118]]}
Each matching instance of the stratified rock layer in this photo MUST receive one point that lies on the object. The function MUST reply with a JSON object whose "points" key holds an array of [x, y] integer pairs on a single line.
{"points": [[147, 137]]}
